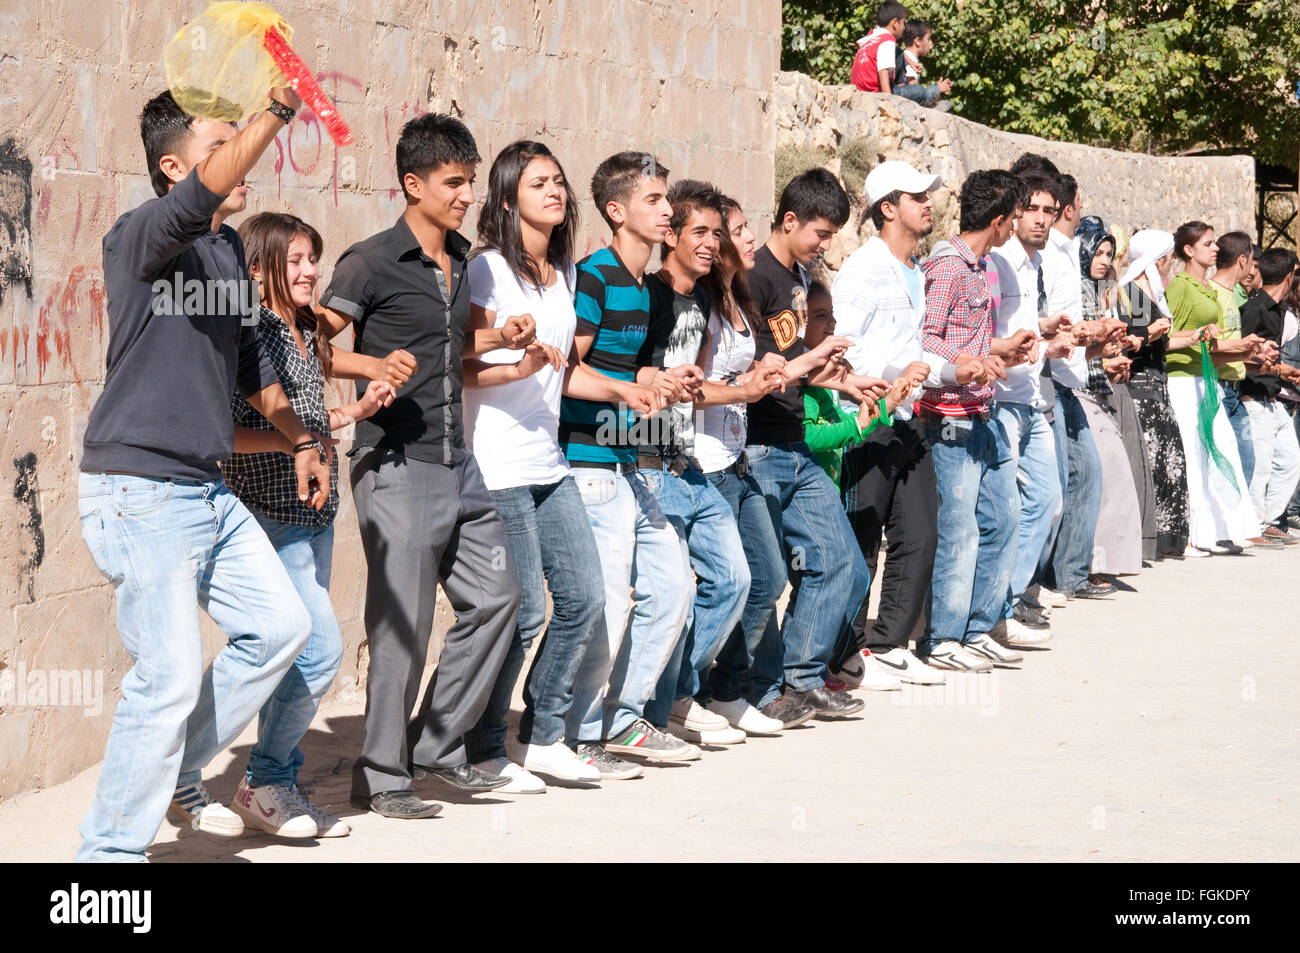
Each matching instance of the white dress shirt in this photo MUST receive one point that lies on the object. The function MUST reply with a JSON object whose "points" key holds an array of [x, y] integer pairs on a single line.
{"points": [[1018, 310], [1063, 281]]}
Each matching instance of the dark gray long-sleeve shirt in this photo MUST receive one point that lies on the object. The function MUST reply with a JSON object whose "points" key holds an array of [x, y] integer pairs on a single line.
{"points": [[178, 346]]}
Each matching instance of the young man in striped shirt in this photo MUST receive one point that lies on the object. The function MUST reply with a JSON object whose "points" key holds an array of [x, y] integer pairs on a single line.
{"points": [[639, 548], [975, 473]]}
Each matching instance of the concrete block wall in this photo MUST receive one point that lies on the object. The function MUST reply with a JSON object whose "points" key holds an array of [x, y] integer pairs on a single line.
{"points": [[691, 82], [1131, 189]]}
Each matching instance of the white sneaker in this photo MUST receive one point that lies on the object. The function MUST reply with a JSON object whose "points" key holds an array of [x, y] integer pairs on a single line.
{"points": [[693, 716], [1051, 598], [193, 805], [273, 808], [714, 736], [1191, 552], [521, 782], [558, 761], [861, 671], [327, 825], [986, 648], [741, 714], [1015, 632], [906, 667], [950, 654]]}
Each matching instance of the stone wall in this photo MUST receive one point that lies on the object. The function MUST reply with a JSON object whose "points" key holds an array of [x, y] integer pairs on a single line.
{"points": [[589, 77], [1131, 189]]}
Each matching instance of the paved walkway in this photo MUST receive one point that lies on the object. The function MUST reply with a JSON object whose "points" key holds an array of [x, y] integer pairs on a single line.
{"points": [[1161, 725]]}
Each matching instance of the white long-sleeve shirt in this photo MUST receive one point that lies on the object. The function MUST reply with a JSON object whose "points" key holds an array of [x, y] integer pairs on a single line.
{"points": [[881, 315], [1018, 310], [1063, 282]]}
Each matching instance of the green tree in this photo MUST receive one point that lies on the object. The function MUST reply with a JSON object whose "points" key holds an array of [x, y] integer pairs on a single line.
{"points": [[1158, 77]]}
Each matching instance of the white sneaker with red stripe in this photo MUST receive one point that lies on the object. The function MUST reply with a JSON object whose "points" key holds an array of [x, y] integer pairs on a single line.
{"points": [[861, 670]]}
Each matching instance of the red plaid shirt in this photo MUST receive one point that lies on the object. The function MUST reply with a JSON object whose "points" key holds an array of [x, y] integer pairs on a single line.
{"points": [[958, 320]]}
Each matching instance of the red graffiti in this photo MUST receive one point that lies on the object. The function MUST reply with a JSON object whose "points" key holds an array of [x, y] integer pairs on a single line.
{"points": [[57, 317]]}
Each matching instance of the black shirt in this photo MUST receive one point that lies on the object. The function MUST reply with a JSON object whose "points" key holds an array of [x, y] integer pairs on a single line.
{"points": [[1263, 316], [781, 296], [676, 331], [397, 297], [1149, 362], [182, 337]]}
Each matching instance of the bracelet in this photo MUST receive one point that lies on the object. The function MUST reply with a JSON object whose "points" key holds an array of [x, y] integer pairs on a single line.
{"points": [[306, 445], [281, 111]]}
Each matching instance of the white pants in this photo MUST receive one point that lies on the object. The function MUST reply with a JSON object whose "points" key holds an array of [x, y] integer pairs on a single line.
{"points": [[1277, 457], [1217, 509]]}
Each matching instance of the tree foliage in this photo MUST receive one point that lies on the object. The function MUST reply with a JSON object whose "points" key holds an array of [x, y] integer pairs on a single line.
{"points": [[1159, 77]]}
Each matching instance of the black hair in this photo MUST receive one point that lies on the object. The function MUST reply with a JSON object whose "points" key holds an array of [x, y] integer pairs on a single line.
{"points": [[914, 30], [498, 223], [812, 195], [1255, 252], [816, 287], [431, 141], [1067, 189], [163, 128], [735, 294], [986, 195], [688, 196], [890, 11], [1035, 182], [1274, 265], [617, 177], [1232, 245], [877, 214], [1033, 162], [1189, 233]]}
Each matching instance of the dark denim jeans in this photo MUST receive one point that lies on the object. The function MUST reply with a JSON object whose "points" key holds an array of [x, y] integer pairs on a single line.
{"points": [[730, 678], [1068, 553], [827, 572], [551, 542]]}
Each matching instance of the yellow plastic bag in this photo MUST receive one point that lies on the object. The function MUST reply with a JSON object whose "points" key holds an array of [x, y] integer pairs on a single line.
{"points": [[217, 65]]}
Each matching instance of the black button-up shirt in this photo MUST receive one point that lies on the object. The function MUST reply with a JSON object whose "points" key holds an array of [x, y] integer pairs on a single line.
{"points": [[397, 297]]}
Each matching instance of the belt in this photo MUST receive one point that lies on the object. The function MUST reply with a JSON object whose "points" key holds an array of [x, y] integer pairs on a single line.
{"points": [[1231, 385], [983, 416], [618, 466], [677, 464]]}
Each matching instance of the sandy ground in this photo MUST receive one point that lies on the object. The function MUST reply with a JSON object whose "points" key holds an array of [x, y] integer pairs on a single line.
{"points": [[1160, 725]]}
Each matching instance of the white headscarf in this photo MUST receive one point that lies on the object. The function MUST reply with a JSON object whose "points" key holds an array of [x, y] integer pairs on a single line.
{"points": [[1144, 249]]}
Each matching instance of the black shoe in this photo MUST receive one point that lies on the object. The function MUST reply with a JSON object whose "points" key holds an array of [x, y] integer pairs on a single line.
{"points": [[787, 712], [463, 776], [1228, 546], [1090, 590], [829, 704], [1029, 616], [401, 804]]}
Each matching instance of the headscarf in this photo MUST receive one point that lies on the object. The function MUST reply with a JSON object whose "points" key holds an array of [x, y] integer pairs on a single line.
{"points": [[1092, 235], [1145, 248]]}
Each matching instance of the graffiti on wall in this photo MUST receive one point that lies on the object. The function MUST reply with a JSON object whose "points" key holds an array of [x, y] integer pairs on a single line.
{"points": [[15, 218]]}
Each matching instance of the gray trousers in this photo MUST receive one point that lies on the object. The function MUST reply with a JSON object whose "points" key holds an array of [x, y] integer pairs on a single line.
{"points": [[421, 524]]}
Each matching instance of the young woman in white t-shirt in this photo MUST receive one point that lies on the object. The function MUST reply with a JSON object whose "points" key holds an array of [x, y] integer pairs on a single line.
{"points": [[524, 266]]}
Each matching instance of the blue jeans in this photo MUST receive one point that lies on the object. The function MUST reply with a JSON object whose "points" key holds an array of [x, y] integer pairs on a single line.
{"points": [[704, 520], [307, 553], [170, 548], [828, 575], [730, 678], [979, 511], [1068, 551], [551, 542], [926, 94], [639, 550], [1032, 442], [1239, 418]]}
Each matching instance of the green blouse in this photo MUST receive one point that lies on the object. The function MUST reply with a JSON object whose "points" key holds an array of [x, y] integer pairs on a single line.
{"points": [[828, 428], [1193, 304]]}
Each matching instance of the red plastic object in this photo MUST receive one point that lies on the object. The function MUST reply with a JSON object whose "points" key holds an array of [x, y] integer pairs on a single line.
{"points": [[305, 85]]}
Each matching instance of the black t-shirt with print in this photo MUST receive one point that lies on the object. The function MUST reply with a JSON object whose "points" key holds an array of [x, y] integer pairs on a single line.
{"points": [[781, 296]]}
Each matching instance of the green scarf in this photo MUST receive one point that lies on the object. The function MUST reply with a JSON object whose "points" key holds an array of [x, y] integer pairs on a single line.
{"points": [[1206, 413]]}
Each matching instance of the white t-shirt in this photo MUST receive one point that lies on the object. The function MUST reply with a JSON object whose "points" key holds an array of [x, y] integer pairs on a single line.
{"points": [[720, 429], [886, 52], [511, 428]]}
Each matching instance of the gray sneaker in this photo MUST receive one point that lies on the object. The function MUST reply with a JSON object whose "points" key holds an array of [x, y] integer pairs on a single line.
{"points": [[610, 767], [644, 740]]}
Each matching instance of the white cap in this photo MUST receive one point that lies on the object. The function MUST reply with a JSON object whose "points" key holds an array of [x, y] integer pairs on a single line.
{"points": [[897, 176]]}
